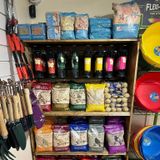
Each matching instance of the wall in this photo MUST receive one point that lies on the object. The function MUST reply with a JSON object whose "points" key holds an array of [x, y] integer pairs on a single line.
{"points": [[7, 67], [92, 7]]}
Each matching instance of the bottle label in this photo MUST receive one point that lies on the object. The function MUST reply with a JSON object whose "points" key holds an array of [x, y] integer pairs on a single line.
{"points": [[121, 63], [109, 64], [38, 64], [99, 64], [87, 64], [51, 66]]}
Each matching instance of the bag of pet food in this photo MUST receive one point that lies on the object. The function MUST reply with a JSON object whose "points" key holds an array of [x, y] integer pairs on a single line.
{"points": [[44, 137], [67, 20], [77, 97], [61, 138], [96, 137], [43, 93], [115, 138], [60, 97], [95, 97], [81, 26], [126, 20], [79, 140]]}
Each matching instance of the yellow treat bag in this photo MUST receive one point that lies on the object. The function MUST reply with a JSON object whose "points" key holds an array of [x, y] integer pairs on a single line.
{"points": [[43, 136], [95, 97]]}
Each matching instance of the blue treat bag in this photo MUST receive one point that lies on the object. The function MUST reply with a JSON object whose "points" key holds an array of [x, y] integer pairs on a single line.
{"points": [[100, 22], [81, 26], [79, 139]]}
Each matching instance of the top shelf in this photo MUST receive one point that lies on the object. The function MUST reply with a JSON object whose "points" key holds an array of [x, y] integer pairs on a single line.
{"points": [[90, 41]]}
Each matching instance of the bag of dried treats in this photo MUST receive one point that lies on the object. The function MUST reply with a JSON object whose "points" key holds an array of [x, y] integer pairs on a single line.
{"points": [[61, 138], [79, 141], [43, 137], [126, 20], [43, 93], [81, 26], [115, 138], [96, 137], [67, 25], [77, 96], [60, 97], [95, 97]]}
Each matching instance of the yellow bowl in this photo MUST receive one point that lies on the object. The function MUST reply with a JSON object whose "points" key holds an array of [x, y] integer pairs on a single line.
{"points": [[150, 44], [136, 141]]}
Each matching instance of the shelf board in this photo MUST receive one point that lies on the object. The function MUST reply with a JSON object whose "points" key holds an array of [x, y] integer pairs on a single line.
{"points": [[75, 153], [80, 41], [83, 113]]}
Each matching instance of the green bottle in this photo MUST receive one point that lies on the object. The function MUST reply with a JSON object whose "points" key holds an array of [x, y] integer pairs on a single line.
{"points": [[61, 63], [75, 63]]}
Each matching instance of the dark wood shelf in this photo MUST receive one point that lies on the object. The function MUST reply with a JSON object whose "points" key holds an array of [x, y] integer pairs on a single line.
{"points": [[90, 41]]}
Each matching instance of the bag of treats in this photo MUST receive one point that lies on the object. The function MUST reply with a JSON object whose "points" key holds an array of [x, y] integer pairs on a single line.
{"points": [[96, 137], [96, 120], [79, 141], [81, 26], [126, 20], [95, 97], [77, 96], [67, 25], [43, 93], [61, 138], [115, 138], [43, 137], [60, 97]]}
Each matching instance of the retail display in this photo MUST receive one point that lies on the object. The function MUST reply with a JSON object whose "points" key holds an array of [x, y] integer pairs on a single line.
{"points": [[151, 52], [126, 20], [88, 52]]}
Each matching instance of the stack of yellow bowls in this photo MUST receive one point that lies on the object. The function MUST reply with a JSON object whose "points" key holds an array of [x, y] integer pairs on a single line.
{"points": [[150, 44]]}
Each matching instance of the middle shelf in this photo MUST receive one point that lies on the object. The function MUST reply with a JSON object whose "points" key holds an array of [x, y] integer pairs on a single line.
{"points": [[83, 113]]}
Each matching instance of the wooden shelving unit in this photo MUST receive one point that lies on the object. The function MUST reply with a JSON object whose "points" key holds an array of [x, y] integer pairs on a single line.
{"points": [[131, 79]]}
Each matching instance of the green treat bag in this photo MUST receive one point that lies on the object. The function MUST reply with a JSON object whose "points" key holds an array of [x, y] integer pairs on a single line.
{"points": [[77, 97]]}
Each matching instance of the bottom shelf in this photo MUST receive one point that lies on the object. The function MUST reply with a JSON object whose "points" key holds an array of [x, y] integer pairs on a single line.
{"points": [[105, 152]]}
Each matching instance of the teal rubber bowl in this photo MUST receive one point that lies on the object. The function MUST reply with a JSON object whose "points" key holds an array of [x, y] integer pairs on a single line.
{"points": [[150, 143]]}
